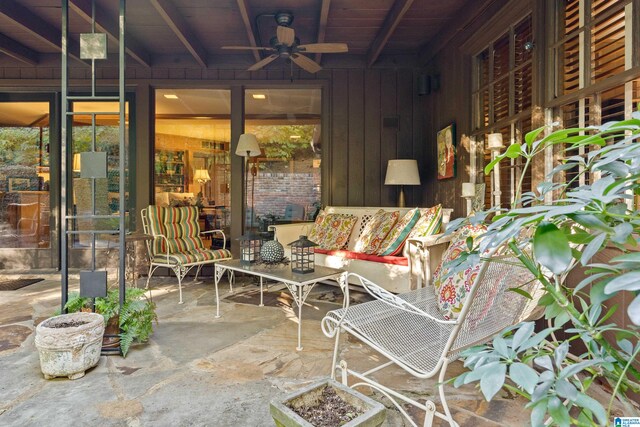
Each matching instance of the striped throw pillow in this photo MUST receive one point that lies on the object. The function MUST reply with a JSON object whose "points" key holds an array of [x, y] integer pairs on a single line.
{"points": [[394, 242], [428, 224]]}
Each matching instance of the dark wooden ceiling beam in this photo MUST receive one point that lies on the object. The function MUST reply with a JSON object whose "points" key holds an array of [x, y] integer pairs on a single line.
{"points": [[322, 25], [109, 26], [393, 18], [466, 22], [182, 30], [38, 27], [245, 12], [18, 51]]}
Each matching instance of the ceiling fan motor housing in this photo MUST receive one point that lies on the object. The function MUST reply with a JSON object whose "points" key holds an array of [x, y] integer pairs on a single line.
{"points": [[284, 18]]}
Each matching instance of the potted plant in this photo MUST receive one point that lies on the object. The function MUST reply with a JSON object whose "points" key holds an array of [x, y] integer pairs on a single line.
{"points": [[134, 321], [327, 403], [69, 344], [567, 231]]}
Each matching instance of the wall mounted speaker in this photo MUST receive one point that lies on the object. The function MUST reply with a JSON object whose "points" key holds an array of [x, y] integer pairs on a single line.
{"points": [[424, 85]]}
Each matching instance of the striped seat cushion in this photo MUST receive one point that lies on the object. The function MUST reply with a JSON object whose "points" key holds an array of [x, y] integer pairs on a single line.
{"points": [[198, 255], [179, 225]]}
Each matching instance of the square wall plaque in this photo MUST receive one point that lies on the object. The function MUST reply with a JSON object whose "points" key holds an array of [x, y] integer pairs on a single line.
{"points": [[93, 164], [93, 46], [93, 284]]}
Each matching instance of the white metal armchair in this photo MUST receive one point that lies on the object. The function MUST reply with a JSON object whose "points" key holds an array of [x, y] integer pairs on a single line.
{"points": [[411, 333], [176, 242]]}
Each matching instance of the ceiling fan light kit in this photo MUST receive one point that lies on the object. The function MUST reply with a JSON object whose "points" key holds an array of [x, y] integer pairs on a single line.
{"points": [[286, 45]]}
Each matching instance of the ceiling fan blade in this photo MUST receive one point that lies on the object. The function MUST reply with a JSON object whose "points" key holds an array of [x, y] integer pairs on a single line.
{"points": [[262, 63], [324, 48], [286, 35], [305, 63], [245, 48]]}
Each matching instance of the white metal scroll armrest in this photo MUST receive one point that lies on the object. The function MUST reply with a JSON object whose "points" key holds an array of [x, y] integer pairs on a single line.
{"points": [[224, 237], [166, 245], [393, 300]]}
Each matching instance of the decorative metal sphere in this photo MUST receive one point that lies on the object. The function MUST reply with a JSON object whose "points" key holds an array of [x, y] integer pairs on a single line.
{"points": [[272, 251]]}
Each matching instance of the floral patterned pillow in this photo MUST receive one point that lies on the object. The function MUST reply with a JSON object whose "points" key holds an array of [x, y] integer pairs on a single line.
{"points": [[334, 231], [394, 242], [429, 223], [452, 290], [375, 231], [317, 227]]}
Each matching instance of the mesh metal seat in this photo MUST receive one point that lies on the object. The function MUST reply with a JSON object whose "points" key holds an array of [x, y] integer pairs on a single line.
{"points": [[411, 333]]}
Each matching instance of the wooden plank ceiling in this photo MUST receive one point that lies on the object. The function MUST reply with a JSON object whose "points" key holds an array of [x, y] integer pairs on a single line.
{"points": [[198, 29]]}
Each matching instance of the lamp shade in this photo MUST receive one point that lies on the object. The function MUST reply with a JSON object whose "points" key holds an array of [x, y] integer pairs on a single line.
{"points": [[247, 145], [402, 172], [201, 175], [494, 140]]}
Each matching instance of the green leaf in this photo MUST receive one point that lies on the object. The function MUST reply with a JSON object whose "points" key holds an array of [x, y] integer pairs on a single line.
{"points": [[531, 136], [492, 381], [566, 390], [551, 248], [592, 248], [627, 282], [513, 151], [558, 412], [501, 346], [524, 376], [492, 164], [634, 311], [594, 406], [522, 292], [522, 334], [538, 413]]}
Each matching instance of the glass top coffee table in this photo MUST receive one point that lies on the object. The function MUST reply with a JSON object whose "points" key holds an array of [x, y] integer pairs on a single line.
{"points": [[299, 285]]}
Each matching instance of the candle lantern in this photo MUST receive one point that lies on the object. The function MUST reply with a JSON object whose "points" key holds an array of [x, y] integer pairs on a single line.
{"points": [[303, 255], [250, 245]]}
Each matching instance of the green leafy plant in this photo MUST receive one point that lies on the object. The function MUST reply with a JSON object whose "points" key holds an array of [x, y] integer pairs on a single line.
{"points": [[135, 319], [552, 230]]}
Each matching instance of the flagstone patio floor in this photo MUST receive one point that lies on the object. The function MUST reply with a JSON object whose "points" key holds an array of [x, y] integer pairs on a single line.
{"points": [[198, 370]]}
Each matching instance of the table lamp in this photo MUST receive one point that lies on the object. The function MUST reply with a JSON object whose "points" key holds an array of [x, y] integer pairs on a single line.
{"points": [[402, 172]]}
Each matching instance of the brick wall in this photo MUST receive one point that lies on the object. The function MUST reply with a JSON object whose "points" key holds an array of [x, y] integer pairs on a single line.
{"points": [[275, 190]]}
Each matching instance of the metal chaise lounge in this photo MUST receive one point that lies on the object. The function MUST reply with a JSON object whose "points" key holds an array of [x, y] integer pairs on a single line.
{"points": [[411, 333]]}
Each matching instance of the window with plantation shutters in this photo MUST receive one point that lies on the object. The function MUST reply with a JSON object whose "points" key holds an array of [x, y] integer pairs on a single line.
{"points": [[502, 97], [594, 53]]}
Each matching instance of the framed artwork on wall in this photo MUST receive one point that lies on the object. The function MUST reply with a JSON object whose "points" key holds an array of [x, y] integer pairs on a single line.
{"points": [[446, 146]]}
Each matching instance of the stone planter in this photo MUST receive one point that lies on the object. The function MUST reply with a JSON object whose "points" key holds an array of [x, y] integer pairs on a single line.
{"points": [[373, 415], [69, 344]]}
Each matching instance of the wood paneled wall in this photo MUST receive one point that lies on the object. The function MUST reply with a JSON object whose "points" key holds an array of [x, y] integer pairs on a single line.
{"points": [[376, 115]]}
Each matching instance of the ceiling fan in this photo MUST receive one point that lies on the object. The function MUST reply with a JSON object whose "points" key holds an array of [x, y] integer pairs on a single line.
{"points": [[287, 46]]}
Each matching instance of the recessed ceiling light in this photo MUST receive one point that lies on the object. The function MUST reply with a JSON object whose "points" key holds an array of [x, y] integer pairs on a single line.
{"points": [[170, 96], [295, 137], [259, 96]]}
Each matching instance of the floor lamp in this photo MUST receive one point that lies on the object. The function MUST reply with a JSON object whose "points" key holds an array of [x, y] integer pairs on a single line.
{"points": [[247, 147]]}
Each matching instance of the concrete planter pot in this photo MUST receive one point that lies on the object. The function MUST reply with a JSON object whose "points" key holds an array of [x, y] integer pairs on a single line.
{"points": [[373, 415], [69, 344]]}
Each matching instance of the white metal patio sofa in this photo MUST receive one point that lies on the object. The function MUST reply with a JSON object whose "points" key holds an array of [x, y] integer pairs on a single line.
{"points": [[176, 242], [411, 333]]}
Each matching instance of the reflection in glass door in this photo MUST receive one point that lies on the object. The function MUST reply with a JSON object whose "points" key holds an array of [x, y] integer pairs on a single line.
{"points": [[192, 164], [285, 186], [25, 179]]}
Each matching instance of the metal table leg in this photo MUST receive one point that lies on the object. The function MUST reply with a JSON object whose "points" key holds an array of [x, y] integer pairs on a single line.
{"points": [[219, 271]]}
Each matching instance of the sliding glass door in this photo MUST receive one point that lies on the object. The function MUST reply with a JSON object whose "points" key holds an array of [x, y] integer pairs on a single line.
{"points": [[27, 226]]}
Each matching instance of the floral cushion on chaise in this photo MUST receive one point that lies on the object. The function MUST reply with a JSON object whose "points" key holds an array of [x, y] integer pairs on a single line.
{"points": [[452, 289]]}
